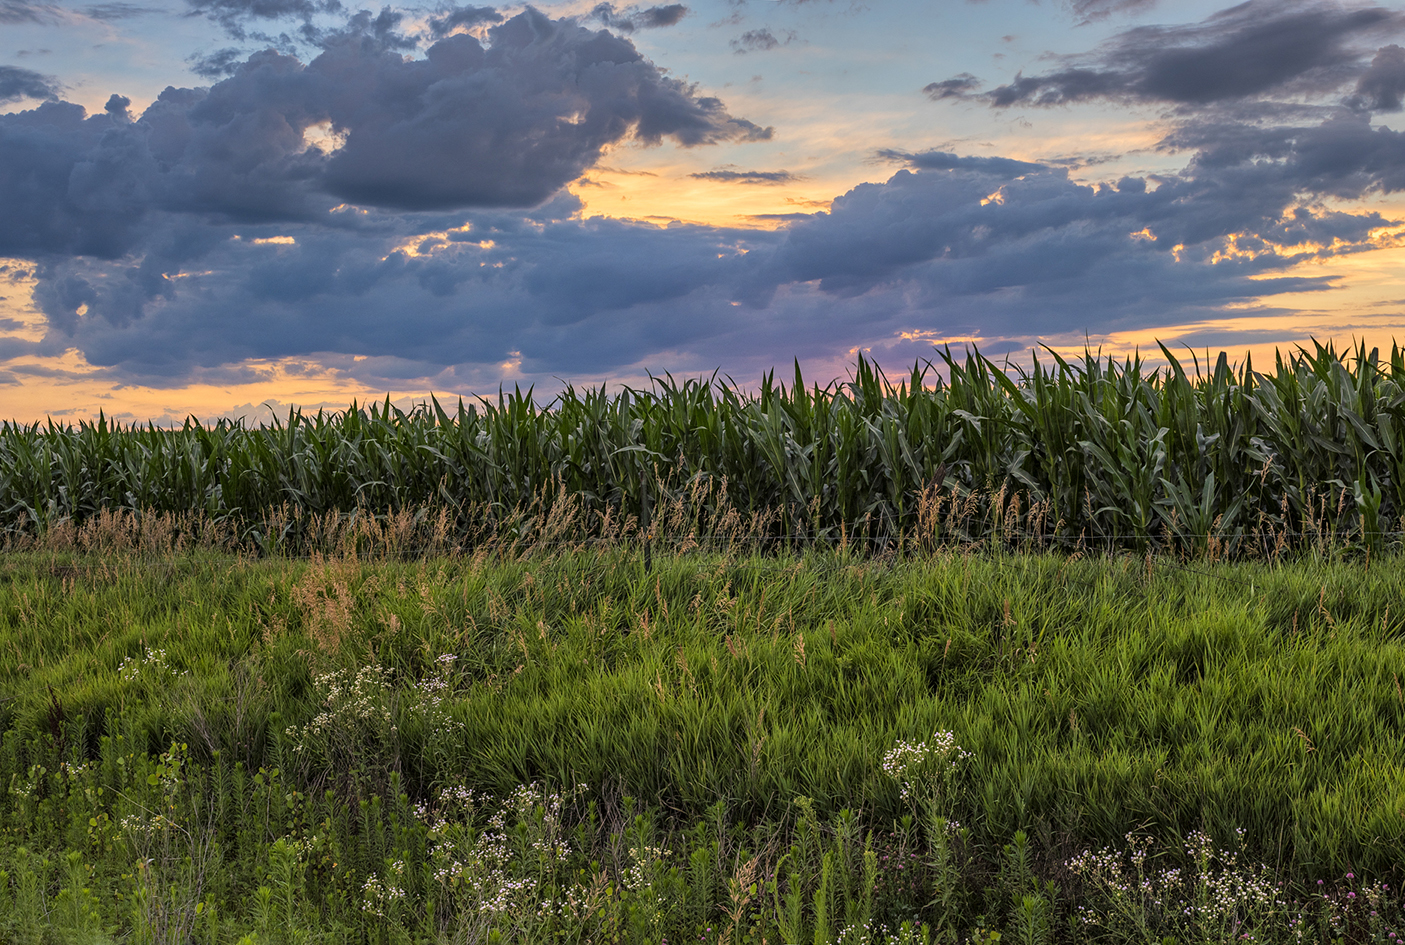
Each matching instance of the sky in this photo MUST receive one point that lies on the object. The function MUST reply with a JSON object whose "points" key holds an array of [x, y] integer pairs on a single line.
{"points": [[227, 207]]}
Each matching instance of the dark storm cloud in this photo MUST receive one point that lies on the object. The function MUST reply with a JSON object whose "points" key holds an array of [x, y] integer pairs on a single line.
{"points": [[17, 84], [549, 286], [70, 184], [204, 232], [1381, 86], [125, 218], [986, 248], [961, 241], [505, 126], [747, 177], [1255, 48], [1343, 157], [467, 126]]}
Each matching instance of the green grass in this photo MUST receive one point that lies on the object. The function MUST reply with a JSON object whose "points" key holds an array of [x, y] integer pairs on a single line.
{"points": [[731, 710]]}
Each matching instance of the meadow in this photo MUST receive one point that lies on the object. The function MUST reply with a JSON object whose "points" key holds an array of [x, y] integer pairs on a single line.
{"points": [[1080, 653], [953, 747]]}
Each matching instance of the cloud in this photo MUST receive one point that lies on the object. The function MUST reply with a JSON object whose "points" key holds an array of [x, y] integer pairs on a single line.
{"points": [[456, 17], [992, 246], [548, 288], [17, 84], [232, 15], [960, 86], [383, 29], [118, 106], [629, 19], [974, 246], [466, 126], [125, 218], [661, 16], [1242, 84], [1257, 48], [1381, 86], [747, 177], [70, 184], [1343, 157], [48, 14], [23, 11], [761, 40], [412, 210], [946, 161], [117, 11], [1226, 339], [218, 64], [505, 126], [1089, 11]]}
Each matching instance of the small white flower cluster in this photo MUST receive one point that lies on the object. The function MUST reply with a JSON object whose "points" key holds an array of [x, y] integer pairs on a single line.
{"points": [[432, 692], [911, 763], [302, 847], [435, 687], [497, 870], [505, 896], [381, 896], [169, 766], [138, 826], [455, 804], [349, 702], [642, 862], [870, 934], [1221, 891], [858, 934], [132, 666], [30, 786]]}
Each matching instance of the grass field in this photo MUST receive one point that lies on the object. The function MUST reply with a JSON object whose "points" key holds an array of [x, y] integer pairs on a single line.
{"points": [[816, 748]]}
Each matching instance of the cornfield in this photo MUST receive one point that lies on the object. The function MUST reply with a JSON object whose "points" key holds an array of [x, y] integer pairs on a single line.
{"points": [[1220, 459]]}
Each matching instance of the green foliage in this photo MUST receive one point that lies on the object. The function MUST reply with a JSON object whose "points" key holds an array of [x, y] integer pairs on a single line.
{"points": [[821, 749], [1095, 452]]}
